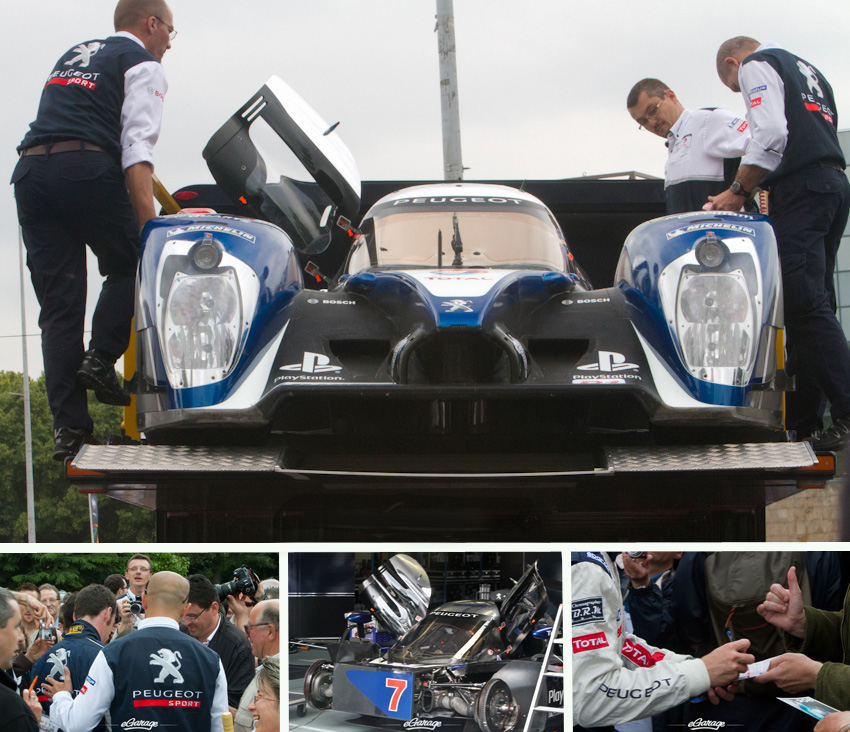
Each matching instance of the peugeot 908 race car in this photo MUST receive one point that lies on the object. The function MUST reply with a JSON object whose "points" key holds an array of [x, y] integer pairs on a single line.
{"points": [[466, 659], [460, 317]]}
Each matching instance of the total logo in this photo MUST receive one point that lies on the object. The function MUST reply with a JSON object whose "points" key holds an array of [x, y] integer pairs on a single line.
{"points": [[609, 362], [312, 363]]}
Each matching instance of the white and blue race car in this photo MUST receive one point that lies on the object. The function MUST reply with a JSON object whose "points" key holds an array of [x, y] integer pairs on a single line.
{"points": [[459, 321]]}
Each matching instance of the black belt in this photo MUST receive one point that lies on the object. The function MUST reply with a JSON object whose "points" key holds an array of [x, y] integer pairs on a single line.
{"points": [[60, 147]]}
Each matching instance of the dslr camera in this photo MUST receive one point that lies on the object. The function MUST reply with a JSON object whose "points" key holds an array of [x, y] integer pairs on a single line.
{"points": [[244, 581]]}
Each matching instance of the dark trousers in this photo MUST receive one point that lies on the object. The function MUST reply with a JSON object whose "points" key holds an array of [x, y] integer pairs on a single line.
{"points": [[809, 209], [66, 201]]}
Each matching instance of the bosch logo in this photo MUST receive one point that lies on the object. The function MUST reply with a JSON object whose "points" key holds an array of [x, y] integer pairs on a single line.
{"points": [[586, 301]]}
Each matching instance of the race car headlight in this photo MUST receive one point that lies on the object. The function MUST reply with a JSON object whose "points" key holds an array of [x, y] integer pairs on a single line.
{"points": [[715, 323], [206, 299], [206, 254], [203, 320], [711, 252]]}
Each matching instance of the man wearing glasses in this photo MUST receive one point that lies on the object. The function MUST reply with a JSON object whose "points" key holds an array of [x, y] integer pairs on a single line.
{"points": [[138, 573], [203, 620], [263, 631], [704, 146], [84, 178], [155, 678]]}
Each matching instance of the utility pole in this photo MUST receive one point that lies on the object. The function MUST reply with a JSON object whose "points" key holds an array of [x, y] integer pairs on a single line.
{"points": [[27, 418], [452, 164]]}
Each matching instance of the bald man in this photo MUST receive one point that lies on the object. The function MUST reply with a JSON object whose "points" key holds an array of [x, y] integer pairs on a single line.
{"points": [[794, 152], [157, 676], [263, 631], [84, 178]]}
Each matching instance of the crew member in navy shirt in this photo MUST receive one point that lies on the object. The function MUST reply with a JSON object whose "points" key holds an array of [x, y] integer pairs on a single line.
{"points": [[95, 613], [85, 178], [795, 154]]}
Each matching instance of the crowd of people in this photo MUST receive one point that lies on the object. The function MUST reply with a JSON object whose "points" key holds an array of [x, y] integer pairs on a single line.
{"points": [[143, 648], [672, 640]]}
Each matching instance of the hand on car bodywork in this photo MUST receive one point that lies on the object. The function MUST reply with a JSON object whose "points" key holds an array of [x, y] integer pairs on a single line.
{"points": [[784, 608], [792, 672], [726, 662]]}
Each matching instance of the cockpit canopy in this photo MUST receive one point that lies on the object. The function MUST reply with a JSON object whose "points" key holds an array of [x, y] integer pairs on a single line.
{"points": [[465, 225], [456, 631]]}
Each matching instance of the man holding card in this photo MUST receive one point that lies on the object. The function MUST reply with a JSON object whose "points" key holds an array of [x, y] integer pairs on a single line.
{"points": [[819, 642]]}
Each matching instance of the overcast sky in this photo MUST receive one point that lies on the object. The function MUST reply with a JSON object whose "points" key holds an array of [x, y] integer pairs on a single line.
{"points": [[542, 84]]}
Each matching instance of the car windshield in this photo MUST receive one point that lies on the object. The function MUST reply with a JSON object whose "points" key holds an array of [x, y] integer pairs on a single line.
{"points": [[447, 636], [520, 234]]}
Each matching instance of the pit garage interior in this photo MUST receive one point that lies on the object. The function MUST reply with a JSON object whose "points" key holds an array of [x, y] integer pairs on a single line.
{"points": [[324, 587], [700, 498]]}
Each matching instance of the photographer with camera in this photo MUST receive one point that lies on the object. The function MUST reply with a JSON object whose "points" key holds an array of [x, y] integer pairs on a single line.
{"points": [[203, 620], [240, 595], [139, 570]]}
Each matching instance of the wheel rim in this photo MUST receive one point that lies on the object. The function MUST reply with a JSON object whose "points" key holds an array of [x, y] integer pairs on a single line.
{"points": [[318, 685], [501, 710]]}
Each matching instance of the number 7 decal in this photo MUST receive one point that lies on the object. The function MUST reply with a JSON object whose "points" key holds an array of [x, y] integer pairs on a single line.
{"points": [[399, 685]]}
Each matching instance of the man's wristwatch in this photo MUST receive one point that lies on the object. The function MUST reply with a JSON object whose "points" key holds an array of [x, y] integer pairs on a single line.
{"points": [[738, 189]]}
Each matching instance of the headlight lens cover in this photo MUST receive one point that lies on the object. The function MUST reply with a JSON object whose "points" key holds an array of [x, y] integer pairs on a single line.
{"points": [[714, 310], [203, 316], [714, 321], [203, 320]]}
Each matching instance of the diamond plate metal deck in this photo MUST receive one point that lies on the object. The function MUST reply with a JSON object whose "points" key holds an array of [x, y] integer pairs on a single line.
{"points": [[142, 459], [749, 456], [176, 459]]}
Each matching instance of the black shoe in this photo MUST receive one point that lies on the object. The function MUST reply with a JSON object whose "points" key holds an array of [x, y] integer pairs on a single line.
{"points": [[835, 437], [97, 374], [809, 435], [67, 442]]}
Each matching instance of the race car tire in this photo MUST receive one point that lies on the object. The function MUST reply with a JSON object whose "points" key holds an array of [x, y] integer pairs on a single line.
{"points": [[318, 685], [496, 710]]}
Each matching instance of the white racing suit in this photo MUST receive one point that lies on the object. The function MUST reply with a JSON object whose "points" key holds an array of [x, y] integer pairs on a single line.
{"points": [[617, 677]]}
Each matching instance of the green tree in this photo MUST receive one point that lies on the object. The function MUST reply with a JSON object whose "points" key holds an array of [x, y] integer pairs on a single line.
{"points": [[61, 514], [219, 567], [70, 571]]}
